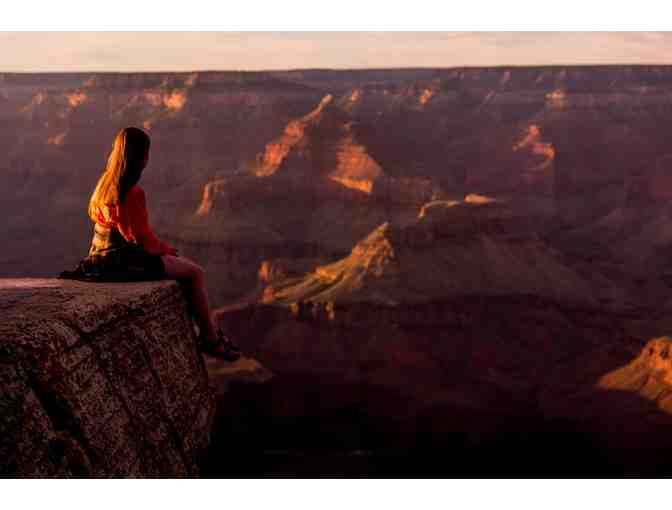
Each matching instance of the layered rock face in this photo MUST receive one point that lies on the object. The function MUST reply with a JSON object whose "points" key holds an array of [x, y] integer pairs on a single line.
{"points": [[316, 184], [463, 333], [474, 246], [100, 380], [333, 154], [504, 384], [62, 129]]}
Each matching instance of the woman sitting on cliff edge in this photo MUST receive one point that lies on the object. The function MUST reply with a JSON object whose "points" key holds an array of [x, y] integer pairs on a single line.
{"points": [[125, 248]]}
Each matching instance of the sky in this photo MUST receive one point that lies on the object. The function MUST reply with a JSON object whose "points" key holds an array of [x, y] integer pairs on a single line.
{"points": [[193, 50]]}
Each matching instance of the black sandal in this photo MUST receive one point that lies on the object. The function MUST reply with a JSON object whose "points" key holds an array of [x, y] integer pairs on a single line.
{"points": [[227, 341], [218, 348]]}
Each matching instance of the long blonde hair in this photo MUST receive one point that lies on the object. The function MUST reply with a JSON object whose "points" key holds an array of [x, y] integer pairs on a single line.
{"points": [[123, 170]]}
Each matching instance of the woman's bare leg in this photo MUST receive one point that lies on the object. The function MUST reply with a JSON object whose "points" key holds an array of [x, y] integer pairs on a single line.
{"points": [[190, 274]]}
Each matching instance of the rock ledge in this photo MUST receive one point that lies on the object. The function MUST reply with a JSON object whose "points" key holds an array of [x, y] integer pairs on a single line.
{"points": [[100, 380]]}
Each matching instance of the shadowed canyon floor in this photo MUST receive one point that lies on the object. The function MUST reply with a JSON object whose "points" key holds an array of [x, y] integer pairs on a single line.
{"points": [[452, 388]]}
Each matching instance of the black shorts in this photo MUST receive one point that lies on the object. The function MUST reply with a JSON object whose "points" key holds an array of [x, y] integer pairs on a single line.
{"points": [[132, 264], [112, 258], [147, 265]]}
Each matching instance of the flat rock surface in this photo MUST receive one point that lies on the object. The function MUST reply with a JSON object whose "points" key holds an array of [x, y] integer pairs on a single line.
{"points": [[43, 297]]}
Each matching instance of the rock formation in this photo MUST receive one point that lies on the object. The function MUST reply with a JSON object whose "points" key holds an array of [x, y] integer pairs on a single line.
{"points": [[454, 248], [100, 380], [337, 191], [550, 386], [334, 154]]}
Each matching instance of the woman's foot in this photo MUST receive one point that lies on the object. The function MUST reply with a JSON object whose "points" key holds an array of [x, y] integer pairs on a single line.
{"points": [[227, 341], [218, 348]]}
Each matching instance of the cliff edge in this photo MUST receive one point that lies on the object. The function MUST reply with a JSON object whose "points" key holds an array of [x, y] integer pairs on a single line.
{"points": [[100, 380]]}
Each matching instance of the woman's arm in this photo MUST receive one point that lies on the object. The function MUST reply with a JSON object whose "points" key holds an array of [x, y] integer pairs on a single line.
{"points": [[138, 224]]}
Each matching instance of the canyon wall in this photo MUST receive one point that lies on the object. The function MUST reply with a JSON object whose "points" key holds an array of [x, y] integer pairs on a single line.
{"points": [[323, 157], [513, 385], [100, 380]]}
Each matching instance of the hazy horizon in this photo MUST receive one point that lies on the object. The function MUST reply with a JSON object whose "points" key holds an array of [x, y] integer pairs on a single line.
{"points": [[342, 69], [283, 51]]}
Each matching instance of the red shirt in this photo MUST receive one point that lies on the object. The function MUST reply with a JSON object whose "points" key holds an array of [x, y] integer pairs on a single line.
{"points": [[132, 220]]}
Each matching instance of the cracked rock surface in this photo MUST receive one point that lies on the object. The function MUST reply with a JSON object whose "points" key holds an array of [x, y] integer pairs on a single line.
{"points": [[100, 380]]}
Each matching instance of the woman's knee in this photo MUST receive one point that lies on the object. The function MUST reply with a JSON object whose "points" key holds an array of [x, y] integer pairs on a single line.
{"points": [[182, 268], [195, 272]]}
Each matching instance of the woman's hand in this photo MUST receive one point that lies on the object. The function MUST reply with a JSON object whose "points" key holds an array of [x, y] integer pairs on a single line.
{"points": [[173, 251]]}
